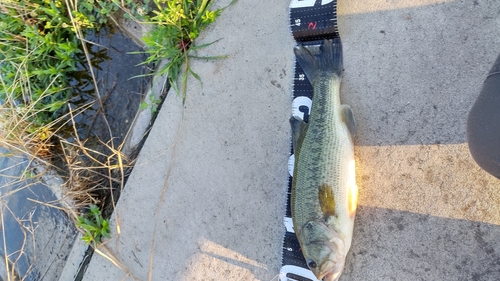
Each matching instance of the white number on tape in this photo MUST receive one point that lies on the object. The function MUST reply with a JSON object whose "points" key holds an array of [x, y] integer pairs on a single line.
{"points": [[288, 224], [291, 164], [297, 103]]}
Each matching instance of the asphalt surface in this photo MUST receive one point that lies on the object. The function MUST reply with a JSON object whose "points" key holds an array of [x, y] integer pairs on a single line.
{"points": [[205, 200]]}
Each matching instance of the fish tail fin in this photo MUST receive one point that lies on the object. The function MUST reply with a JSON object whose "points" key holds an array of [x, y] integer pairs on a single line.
{"points": [[319, 60]]}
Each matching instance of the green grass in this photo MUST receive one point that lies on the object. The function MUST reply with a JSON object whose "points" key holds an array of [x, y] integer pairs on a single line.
{"points": [[177, 24]]}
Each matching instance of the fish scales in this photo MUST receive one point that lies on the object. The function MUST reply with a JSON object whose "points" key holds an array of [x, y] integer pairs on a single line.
{"points": [[323, 185], [322, 157]]}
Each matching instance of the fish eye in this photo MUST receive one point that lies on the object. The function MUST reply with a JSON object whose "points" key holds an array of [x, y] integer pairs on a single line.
{"points": [[311, 264]]}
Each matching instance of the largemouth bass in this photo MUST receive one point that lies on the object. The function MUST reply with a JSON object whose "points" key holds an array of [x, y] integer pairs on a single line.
{"points": [[324, 190]]}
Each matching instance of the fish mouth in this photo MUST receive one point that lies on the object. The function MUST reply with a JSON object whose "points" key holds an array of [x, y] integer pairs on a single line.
{"points": [[331, 276], [330, 271], [327, 272]]}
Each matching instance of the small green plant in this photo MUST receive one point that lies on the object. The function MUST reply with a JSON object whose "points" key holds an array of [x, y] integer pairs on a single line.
{"points": [[94, 226], [178, 23], [153, 102], [134, 9], [95, 13]]}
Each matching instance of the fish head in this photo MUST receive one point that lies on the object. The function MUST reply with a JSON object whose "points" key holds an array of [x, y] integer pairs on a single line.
{"points": [[324, 251], [325, 261]]}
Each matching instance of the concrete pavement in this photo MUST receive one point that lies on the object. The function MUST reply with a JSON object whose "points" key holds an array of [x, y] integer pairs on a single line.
{"points": [[205, 199]]}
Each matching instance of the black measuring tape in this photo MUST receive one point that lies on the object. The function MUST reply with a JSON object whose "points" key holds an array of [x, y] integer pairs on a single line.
{"points": [[311, 21]]}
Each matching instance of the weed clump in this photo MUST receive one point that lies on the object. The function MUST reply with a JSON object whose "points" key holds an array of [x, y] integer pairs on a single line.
{"points": [[37, 53], [177, 24]]}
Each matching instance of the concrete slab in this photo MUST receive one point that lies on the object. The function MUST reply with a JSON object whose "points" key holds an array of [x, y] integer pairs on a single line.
{"points": [[220, 161], [205, 200]]}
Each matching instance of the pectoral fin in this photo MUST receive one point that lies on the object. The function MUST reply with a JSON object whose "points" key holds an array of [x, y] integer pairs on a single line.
{"points": [[326, 200], [348, 118], [298, 131]]}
